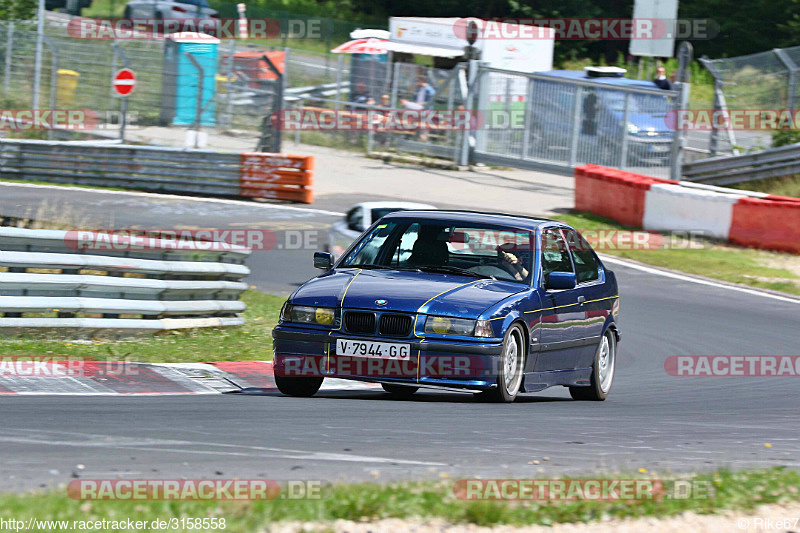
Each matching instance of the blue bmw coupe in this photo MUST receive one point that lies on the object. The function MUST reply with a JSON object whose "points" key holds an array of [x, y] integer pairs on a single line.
{"points": [[489, 303]]}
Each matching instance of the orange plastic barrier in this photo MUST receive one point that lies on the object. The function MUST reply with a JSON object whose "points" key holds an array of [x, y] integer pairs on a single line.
{"points": [[278, 176], [767, 224]]}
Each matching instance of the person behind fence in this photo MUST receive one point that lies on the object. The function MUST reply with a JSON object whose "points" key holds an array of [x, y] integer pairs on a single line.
{"points": [[590, 110], [423, 92], [381, 136], [661, 80], [359, 96], [414, 106]]}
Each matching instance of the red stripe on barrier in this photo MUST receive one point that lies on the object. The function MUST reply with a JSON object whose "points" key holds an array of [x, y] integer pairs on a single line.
{"points": [[777, 198], [766, 224]]}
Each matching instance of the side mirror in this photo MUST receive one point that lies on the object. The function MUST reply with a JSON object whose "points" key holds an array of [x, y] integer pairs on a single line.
{"points": [[323, 260], [561, 281]]}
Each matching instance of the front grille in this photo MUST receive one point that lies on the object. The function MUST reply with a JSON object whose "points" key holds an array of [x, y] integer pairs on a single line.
{"points": [[359, 322], [395, 325]]}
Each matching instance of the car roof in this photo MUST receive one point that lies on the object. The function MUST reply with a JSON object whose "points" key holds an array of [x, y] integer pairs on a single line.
{"points": [[501, 219], [580, 75], [391, 204]]}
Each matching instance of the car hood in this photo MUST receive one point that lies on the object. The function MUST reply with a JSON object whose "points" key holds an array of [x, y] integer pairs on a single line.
{"points": [[410, 292]]}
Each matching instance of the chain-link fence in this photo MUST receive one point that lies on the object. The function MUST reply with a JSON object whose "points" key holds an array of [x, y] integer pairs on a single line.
{"points": [[239, 87], [767, 80], [559, 120]]}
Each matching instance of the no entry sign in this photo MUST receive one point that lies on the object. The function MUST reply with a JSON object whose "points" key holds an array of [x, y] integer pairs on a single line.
{"points": [[124, 82]]}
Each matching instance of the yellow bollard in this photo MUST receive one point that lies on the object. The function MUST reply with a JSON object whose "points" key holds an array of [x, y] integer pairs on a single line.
{"points": [[66, 83]]}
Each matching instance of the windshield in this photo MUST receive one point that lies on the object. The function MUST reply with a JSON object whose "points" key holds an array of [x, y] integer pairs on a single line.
{"points": [[480, 251]]}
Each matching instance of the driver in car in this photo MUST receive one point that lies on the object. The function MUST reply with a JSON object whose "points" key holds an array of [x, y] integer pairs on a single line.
{"points": [[511, 263]]}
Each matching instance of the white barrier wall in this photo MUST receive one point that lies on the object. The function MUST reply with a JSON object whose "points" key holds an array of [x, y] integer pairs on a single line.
{"points": [[677, 208]]}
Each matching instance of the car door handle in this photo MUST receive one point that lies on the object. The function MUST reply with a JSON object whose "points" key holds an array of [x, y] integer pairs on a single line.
{"points": [[581, 299]]}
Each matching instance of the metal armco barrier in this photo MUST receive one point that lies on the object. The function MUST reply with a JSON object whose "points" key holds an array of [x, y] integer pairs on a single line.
{"points": [[727, 170], [170, 170], [53, 279], [278, 176]]}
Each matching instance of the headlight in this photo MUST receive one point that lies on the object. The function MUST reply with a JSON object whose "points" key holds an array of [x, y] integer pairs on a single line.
{"points": [[443, 325], [633, 128], [304, 314], [483, 328]]}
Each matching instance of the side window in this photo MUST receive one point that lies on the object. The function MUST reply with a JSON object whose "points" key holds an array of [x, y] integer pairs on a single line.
{"points": [[354, 219], [555, 255], [586, 266]]}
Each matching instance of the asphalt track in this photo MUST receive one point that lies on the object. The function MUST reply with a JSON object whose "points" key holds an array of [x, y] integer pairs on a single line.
{"points": [[651, 420]]}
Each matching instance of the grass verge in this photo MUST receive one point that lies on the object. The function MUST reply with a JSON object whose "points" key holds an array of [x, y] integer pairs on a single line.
{"points": [[253, 341], [743, 490], [757, 268], [783, 186]]}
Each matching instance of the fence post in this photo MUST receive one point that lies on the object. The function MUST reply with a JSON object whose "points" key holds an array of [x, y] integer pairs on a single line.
{"points": [[37, 60], [9, 50], [792, 66], [53, 76], [339, 67], [679, 141], [472, 81], [576, 127], [623, 153], [228, 83], [199, 104]]}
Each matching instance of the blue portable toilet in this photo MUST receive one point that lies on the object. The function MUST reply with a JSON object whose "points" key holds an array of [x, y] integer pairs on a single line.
{"points": [[180, 80]]}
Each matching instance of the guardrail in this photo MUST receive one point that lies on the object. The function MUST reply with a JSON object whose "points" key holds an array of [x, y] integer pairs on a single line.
{"points": [[161, 169], [727, 170], [54, 279]]}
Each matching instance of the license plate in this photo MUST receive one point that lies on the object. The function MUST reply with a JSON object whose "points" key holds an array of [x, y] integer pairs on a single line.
{"points": [[382, 350], [659, 148]]}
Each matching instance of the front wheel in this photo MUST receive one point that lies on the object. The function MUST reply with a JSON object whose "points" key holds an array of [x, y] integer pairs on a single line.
{"points": [[298, 387], [511, 367], [605, 361]]}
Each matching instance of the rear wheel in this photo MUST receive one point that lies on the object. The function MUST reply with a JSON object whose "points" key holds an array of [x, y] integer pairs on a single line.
{"points": [[299, 387], [511, 367], [401, 391], [602, 371]]}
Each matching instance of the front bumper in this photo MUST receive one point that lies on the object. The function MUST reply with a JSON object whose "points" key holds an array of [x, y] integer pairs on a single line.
{"points": [[305, 352]]}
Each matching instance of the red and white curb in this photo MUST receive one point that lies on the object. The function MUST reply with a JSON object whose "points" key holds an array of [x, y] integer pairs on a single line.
{"points": [[112, 378]]}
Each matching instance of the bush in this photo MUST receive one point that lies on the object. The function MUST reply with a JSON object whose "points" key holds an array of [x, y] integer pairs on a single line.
{"points": [[784, 137]]}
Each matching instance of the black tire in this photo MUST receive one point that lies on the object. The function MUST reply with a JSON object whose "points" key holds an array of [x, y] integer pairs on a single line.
{"points": [[298, 387], [399, 390], [598, 391], [503, 393], [127, 13]]}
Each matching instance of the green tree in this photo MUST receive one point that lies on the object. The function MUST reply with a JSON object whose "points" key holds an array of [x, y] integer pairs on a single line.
{"points": [[17, 9]]}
